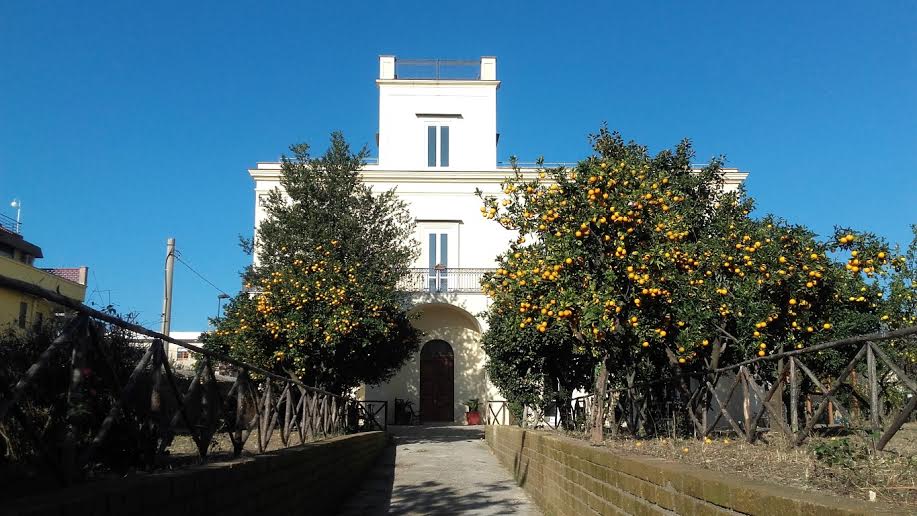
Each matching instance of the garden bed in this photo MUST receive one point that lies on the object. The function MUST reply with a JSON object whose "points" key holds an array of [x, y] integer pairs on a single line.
{"points": [[838, 465]]}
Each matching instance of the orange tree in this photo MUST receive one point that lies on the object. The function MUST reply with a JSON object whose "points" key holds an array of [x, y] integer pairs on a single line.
{"points": [[533, 368], [650, 266], [899, 307], [322, 303]]}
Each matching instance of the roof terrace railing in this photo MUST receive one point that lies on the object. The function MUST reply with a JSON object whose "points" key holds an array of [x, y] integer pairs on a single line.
{"points": [[9, 224], [438, 69]]}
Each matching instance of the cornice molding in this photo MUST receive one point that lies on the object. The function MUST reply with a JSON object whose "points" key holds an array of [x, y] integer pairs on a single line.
{"points": [[731, 176], [434, 82]]}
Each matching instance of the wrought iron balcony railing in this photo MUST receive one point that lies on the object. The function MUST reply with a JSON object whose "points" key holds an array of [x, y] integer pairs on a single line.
{"points": [[444, 280]]}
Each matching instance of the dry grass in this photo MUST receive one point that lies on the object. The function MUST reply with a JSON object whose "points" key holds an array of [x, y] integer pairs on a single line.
{"points": [[845, 466], [183, 447]]}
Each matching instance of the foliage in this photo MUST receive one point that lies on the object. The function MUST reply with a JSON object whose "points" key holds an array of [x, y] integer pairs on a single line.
{"points": [[533, 368], [324, 304], [838, 452], [650, 264], [48, 414], [473, 404], [900, 307]]}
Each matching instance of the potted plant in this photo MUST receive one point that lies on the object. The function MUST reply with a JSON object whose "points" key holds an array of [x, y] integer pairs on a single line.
{"points": [[473, 417]]}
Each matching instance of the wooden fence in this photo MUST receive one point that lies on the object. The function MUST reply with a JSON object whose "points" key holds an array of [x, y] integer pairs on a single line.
{"points": [[258, 402], [778, 392]]}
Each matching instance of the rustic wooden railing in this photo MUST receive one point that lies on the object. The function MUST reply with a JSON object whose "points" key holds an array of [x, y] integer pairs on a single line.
{"points": [[757, 395], [375, 413], [258, 401], [497, 413]]}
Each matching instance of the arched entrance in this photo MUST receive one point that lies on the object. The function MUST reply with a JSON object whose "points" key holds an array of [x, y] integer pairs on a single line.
{"points": [[437, 387]]}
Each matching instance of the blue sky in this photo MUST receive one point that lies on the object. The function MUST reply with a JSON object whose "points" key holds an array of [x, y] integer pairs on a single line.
{"points": [[124, 123]]}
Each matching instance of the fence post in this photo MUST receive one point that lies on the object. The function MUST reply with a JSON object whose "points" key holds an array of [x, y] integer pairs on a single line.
{"points": [[873, 386], [746, 406], [76, 414], [794, 397]]}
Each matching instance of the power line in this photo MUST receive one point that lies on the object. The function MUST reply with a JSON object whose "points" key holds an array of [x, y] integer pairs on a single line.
{"points": [[199, 275], [97, 288]]}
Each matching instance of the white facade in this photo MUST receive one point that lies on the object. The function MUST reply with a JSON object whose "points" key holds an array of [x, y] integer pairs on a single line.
{"points": [[436, 174]]}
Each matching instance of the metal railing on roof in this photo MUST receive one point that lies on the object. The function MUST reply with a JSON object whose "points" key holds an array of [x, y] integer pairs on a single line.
{"points": [[9, 224], [535, 164], [437, 69]]}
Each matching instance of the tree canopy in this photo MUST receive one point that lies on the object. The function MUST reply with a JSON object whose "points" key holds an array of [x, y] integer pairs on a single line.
{"points": [[651, 264], [321, 301]]}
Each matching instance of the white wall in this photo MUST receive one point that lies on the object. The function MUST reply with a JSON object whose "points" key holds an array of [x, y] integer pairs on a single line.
{"points": [[463, 333], [403, 135]]}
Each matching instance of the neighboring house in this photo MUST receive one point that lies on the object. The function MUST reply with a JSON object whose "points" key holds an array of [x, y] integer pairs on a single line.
{"points": [[180, 359], [438, 143], [17, 258]]}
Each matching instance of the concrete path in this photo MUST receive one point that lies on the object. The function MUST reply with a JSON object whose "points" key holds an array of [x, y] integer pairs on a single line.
{"points": [[438, 470]]}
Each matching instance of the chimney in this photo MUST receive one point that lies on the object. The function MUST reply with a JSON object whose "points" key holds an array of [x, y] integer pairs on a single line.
{"points": [[488, 68], [386, 67]]}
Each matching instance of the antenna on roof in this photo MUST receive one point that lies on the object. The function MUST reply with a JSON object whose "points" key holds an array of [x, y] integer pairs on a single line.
{"points": [[17, 204]]}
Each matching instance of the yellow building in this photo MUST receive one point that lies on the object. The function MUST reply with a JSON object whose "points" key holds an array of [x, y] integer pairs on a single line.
{"points": [[17, 258]]}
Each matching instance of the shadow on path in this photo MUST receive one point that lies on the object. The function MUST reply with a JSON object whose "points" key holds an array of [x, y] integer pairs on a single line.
{"points": [[438, 470]]}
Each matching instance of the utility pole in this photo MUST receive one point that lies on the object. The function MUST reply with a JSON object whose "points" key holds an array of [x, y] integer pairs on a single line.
{"points": [[167, 295]]}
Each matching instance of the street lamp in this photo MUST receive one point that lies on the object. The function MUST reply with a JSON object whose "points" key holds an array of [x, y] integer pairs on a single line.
{"points": [[220, 299], [17, 205]]}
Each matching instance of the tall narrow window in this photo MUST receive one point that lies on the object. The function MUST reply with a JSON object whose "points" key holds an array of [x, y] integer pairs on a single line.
{"points": [[439, 263], [432, 271], [444, 146], [437, 151], [444, 257], [431, 146], [23, 314]]}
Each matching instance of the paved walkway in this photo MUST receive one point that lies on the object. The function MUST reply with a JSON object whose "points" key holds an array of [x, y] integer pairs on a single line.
{"points": [[438, 470]]}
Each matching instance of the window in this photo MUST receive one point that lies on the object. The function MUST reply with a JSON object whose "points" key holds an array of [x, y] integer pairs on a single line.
{"points": [[23, 314], [438, 149], [182, 354], [444, 146], [431, 146], [439, 262]]}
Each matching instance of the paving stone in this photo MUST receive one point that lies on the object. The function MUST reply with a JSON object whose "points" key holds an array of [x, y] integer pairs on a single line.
{"points": [[441, 470]]}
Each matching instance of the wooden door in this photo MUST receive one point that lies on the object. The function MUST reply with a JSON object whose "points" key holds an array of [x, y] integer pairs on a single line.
{"points": [[436, 381]]}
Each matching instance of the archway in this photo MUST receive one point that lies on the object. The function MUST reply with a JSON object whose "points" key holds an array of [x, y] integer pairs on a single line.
{"points": [[437, 381]]}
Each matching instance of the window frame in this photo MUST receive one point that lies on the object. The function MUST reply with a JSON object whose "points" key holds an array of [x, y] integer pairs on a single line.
{"points": [[438, 132]]}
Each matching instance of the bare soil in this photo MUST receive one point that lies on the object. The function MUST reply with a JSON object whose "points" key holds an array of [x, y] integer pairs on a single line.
{"points": [[183, 446], [842, 465]]}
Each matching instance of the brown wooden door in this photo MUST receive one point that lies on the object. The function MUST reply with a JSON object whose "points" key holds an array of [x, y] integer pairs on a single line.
{"points": [[436, 381]]}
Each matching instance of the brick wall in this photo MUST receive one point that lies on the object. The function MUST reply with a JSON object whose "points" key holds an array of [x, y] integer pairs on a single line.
{"points": [[310, 479], [568, 476]]}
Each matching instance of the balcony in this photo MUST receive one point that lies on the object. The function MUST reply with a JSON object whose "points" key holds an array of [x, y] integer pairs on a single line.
{"points": [[444, 280]]}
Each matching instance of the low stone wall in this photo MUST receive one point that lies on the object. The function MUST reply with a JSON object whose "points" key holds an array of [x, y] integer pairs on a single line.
{"points": [[567, 476], [309, 479]]}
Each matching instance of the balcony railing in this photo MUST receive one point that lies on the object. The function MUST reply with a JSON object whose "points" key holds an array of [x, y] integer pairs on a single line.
{"points": [[444, 280]]}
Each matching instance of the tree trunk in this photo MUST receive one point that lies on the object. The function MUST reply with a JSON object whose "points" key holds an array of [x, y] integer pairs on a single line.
{"points": [[598, 404]]}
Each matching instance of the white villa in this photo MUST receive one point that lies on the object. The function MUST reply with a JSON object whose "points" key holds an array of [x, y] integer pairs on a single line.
{"points": [[437, 143]]}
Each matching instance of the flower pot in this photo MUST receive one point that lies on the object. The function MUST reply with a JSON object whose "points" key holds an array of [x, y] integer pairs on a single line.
{"points": [[473, 417]]}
